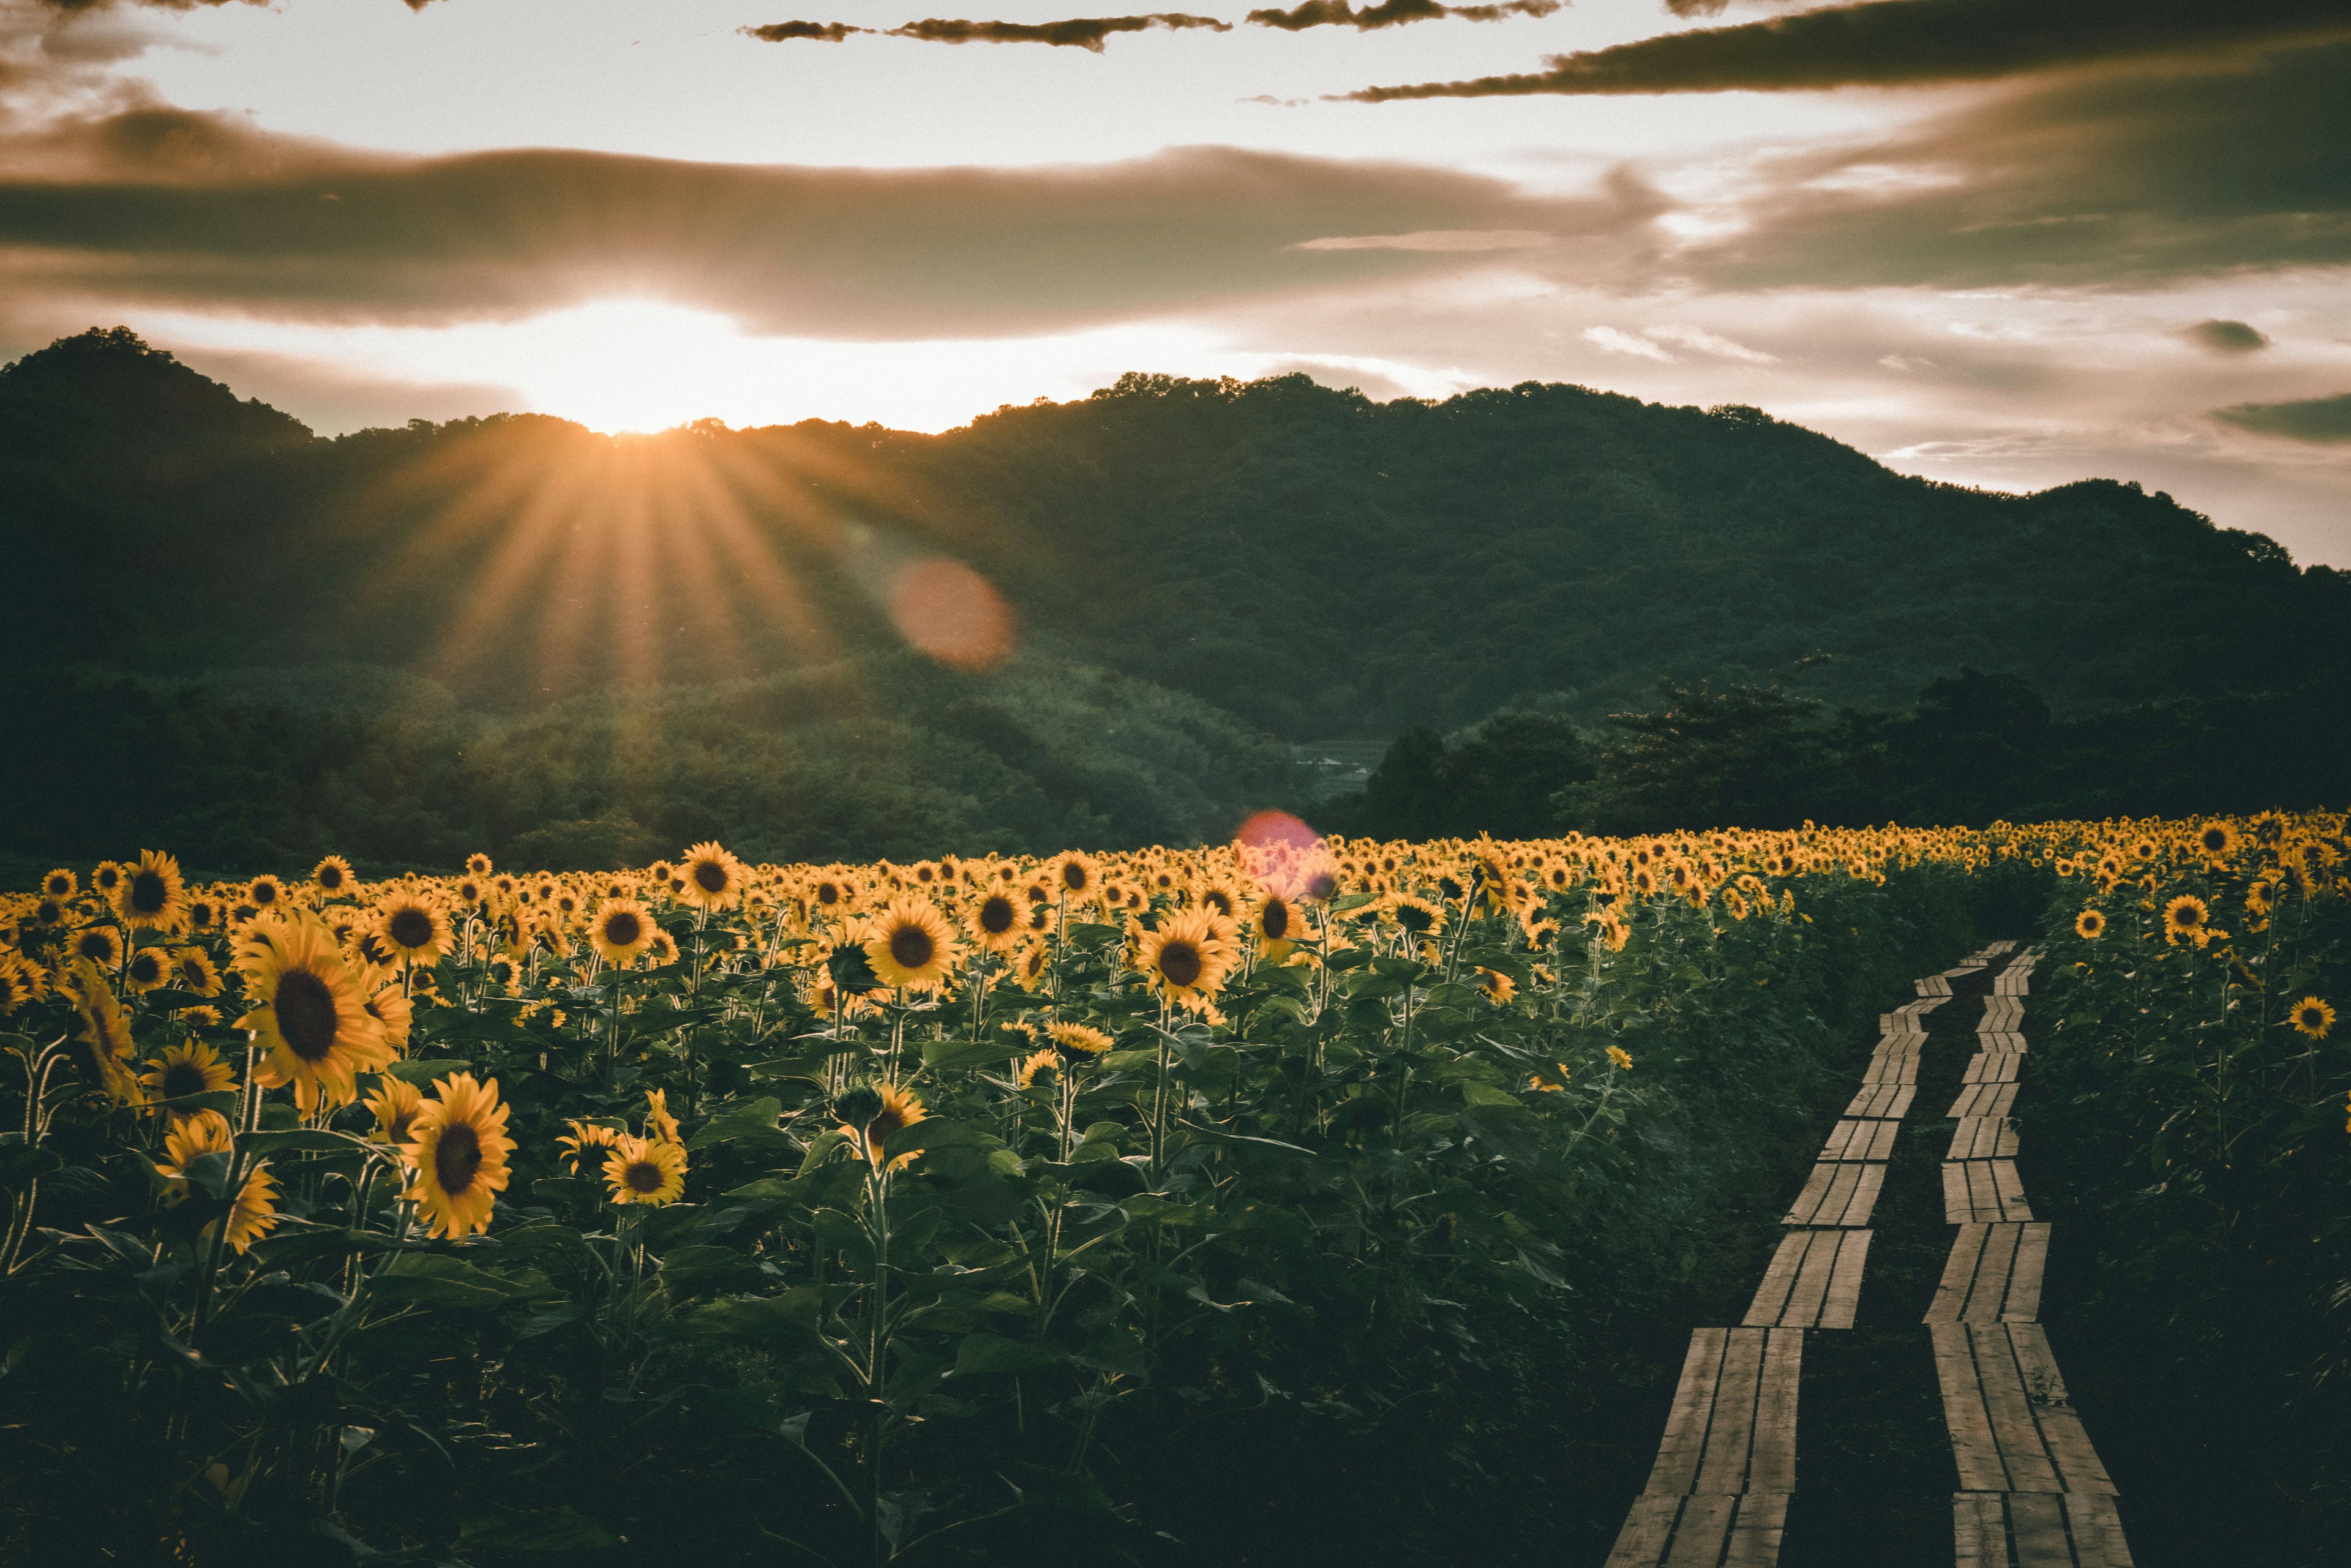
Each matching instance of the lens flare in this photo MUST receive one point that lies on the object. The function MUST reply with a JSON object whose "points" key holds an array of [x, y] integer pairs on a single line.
{"points": [[951, 613]]}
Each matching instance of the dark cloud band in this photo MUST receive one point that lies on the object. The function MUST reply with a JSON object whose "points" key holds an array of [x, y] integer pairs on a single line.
{"points": [[2317, 421], [1393, 14], [1890, 42]]}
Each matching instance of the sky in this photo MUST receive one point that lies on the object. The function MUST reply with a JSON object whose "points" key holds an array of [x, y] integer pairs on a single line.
{"points": [[1998, 243]]}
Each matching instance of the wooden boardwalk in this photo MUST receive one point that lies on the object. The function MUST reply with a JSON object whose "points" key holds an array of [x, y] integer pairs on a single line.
{"points": [[2033, 1492]]}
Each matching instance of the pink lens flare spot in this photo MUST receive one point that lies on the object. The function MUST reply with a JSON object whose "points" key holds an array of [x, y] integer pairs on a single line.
{"points": [[1273, 831], [951, 613]]}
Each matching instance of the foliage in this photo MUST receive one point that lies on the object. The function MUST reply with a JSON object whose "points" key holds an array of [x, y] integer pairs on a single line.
{"points": [[1362, 1175]]}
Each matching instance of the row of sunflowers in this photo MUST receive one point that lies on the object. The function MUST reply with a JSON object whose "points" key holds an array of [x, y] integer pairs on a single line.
{"points": [[924, 1181]]}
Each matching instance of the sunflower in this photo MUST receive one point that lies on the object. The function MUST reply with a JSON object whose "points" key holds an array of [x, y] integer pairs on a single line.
{"points": [[1417, 918], [872, 1117], [579, 1144], [309, 1016], [1029, 966], [993, 921], [622, 929], [150, 893], [389, 1007], [663, 950], [714, 879], [1185, 960], [1275, 921], [413, 928], [1074, 875], [2185, 916], [1025, 1075], [60, 883], [332, 874], [2311, 1016], [1499, 987], [207, 1133], [458, 1147], [2260, 898], [396, 1103], [2217, 839], [911, 946], [1077, 1042], [193, 971], [263, 892], [1621, 1058], [106, 878], [105, 1034], [646, 1170], [1551, 1082], [98, 945], [478, 865], [659, 1124], [188, 1068], [20, 983], [2090, 925], [150, 967]]}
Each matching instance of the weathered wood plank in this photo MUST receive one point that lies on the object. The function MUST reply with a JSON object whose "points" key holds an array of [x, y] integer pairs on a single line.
{"points": [[1983, 1138], [1755, 1535], [1934, 985], [1649, 1530], [1861, 1140], [1845, 1282], [1956, 1207], [2011, 1041], [2098, 1530], [1992, 1273], [1892, 1070], [1812, 1282], [1772, 1460], [2037, 1522], [1729, 1436], [1984, 1100], [2023, 1304], [2009, 1190], [1685, 1423], [1817, 1191], [1770, 1303], [1959, 1274], [2062, 1435], [1979, 1530], [1702, 1532], [1973, 1448], [1994, 1067], [1863, 1201], [1883, 1102], [2001, 1384]]}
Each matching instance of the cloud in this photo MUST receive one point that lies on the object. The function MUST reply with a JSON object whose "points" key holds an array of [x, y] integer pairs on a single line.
{"points": [[1706, 342], [1394, 14], [2319, 421], [1896, 42], [245, 223], [1078, 33], [1433, 240], [2225, 337], [1618, 342], [816, 32], [2105, 181]]}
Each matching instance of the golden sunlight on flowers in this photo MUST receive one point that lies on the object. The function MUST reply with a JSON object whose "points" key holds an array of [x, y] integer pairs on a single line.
{"points": [[457, 1148]]}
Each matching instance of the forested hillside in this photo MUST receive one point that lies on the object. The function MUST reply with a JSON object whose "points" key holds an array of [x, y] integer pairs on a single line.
{"points": [[1168, 581]]}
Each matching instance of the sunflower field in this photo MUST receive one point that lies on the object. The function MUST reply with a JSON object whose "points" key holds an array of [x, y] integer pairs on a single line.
{"points": [[1084, 1205]]}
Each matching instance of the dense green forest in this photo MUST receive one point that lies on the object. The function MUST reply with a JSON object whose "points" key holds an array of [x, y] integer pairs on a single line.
{"points": [[481, 627]]}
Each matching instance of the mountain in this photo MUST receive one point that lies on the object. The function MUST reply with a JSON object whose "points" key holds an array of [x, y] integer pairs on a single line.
{"points": [[1298, 564]]}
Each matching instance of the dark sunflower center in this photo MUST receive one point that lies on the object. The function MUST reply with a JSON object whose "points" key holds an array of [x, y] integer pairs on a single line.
{"points": [[146, 969], [1276, 919], [911, 946], [1073, 877], [644, 1177], [183, 1078], [1415, 921], [411, 927], [827, 893], [306, 1014], [997, 915], [194, 974], [149, 892], [97, 944], [457, 1158], [1180, 962], [623, 929], [710, 876], [264, 893]]}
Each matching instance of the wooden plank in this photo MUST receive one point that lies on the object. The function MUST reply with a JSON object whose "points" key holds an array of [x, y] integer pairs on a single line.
{"points": [[1861, 1140], [2009, 1189], [1934, 985], [1886, 1101], [1956, 1207], [1772, 1461], [1729, 1436], [1983, 1195], [1770, 1301], [1979, 1530], [1648, 1527], [2098, 1530], [1685, 1423], [1866, 1194], [1755, 1535], [2009, 1040], [2023, 1304], [2022, 1450], [1990, 1287], [2062, 1436], [1817, 1191], [2037, 1521], [1892, 1070], [1994, 1067], [1972, 1446], [1702, 1532], [1983, 1138], [1984, 1100], [1959, 1274], [2001, 1013], [1811, 1283], [1845, 1282]]}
